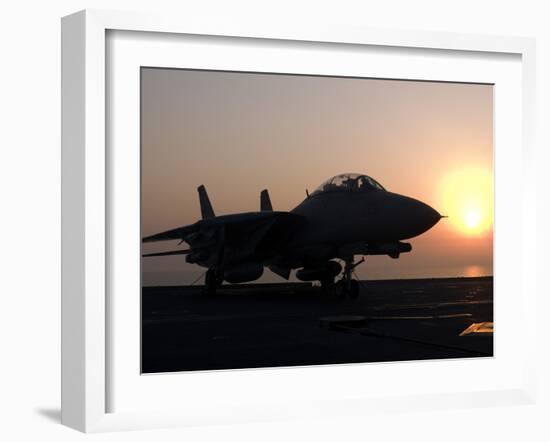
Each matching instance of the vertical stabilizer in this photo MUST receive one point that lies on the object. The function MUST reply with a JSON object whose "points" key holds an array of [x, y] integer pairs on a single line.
{"points": [[265, 202], [206, 207]]}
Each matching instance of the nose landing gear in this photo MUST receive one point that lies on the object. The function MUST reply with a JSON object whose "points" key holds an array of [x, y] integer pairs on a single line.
{"points": [[347, 286]]}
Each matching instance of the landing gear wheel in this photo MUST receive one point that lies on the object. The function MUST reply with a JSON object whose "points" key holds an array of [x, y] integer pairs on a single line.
{"points": [[340, 289], [347, 286], [353, 289], [210, 282], [327, 285]]}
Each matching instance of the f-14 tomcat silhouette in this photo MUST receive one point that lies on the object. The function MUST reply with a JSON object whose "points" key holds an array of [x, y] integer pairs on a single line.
{"points": [[349, 215]]}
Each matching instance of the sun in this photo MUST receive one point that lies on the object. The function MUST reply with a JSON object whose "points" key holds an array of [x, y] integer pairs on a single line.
{"points": [[467, 199], [473, 219]]}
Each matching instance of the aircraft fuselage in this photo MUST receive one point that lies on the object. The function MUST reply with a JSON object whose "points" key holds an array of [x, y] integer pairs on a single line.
{"points": [[374, 217]]}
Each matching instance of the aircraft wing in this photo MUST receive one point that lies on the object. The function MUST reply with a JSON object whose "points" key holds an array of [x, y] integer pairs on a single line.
{"points": [[252, 235]]}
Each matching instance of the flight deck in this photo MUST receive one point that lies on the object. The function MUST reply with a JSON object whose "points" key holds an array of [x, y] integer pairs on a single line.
{"points": [[296, 324]]}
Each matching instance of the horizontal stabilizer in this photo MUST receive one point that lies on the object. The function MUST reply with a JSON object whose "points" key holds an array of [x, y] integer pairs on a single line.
{"points": [[172, 252], [265, 202], [179, 234]]}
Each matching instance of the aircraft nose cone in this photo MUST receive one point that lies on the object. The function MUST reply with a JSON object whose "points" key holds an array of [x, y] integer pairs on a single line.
{"points": [[417, 217], [429, 216]]}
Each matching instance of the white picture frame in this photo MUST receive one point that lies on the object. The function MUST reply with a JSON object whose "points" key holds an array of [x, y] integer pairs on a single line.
{"points": [[86, 315]]}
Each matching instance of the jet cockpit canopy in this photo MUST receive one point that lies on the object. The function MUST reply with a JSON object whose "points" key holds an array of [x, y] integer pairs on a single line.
{"points": [[349, 182]]}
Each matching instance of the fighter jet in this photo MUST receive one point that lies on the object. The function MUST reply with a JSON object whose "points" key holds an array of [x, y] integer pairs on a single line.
{"points": [[347, 216]]}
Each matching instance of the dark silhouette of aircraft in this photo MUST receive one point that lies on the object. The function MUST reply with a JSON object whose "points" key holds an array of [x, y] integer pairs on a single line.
{"points": [[349, 215]]}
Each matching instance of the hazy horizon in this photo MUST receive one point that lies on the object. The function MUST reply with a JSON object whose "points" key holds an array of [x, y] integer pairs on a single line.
{"points": [[239, 133]]}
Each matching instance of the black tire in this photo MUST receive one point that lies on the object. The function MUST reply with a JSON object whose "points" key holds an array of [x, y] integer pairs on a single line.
{"points": [[354, 289], [340, 289], [327, 285], [210, 282]]}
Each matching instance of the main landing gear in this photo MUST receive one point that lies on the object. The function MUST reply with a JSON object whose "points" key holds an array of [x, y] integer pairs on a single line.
{"points": [[211, 282], [347, 286]]}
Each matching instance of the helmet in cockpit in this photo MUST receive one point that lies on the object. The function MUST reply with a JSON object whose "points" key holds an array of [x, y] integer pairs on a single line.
{"points": [[349, 182]]}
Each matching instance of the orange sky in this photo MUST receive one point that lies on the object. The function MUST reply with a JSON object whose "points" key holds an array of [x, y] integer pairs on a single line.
{"points": [[239, 133]]}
